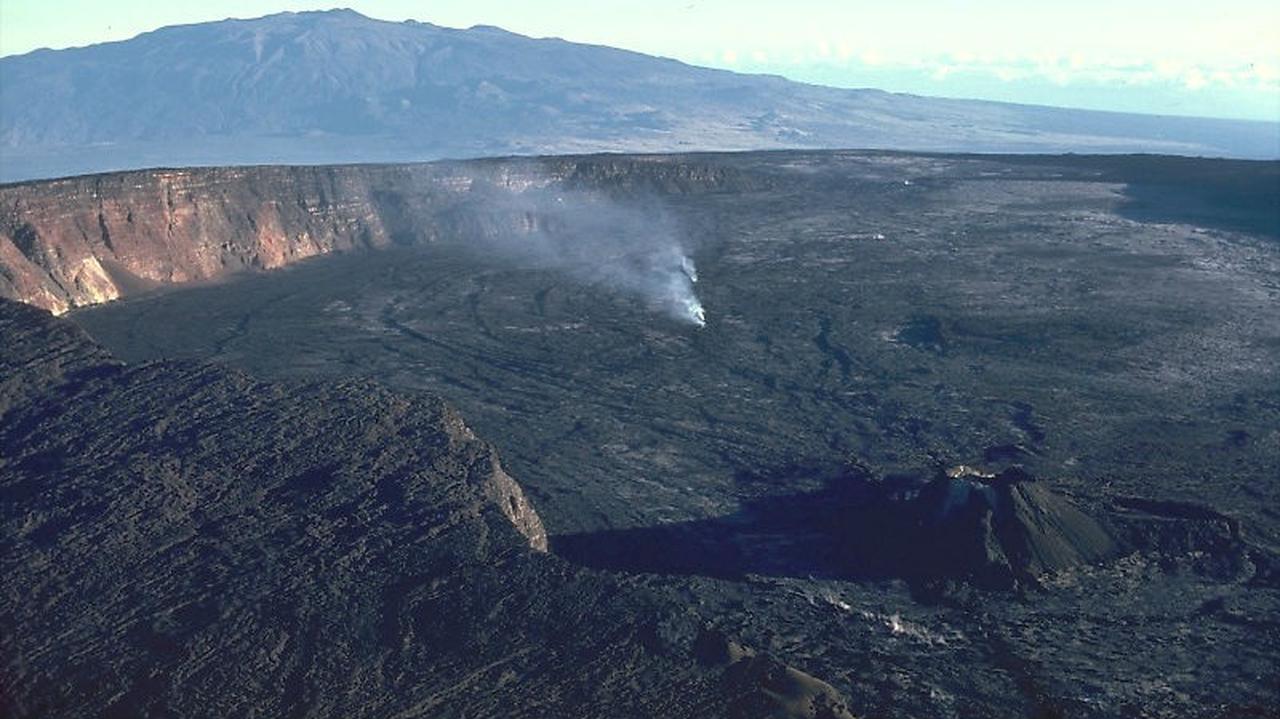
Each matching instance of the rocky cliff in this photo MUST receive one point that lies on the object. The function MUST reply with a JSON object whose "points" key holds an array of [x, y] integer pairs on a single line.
{"points": [[85, 240]]}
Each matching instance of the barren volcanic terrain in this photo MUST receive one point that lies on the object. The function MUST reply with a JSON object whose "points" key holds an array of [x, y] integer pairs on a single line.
{"points": [[182, 540], [960, 435]]}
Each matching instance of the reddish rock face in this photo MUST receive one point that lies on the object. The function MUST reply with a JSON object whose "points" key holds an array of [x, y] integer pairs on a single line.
{"points": [[85, 240]]}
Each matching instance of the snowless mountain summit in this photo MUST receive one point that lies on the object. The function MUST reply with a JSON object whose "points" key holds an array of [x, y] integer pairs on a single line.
{"points": [[336, 87]]}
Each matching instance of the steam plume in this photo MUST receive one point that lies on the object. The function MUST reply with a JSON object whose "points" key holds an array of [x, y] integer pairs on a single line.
{"points": [[634, 248]]}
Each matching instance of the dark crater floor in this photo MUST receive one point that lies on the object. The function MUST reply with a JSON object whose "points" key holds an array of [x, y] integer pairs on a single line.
{"points": [[1106, 326]]}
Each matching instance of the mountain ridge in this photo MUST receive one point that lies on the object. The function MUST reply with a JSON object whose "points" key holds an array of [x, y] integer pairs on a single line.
{"points": [[337, 87]]}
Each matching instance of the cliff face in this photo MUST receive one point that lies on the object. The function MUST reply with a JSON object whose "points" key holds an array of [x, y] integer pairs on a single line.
{"points": [[180, 519], [309, 436], [85, 240]]}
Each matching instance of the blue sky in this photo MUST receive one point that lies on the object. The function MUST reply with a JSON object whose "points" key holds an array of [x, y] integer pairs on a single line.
{"points": [[1174, 57]]}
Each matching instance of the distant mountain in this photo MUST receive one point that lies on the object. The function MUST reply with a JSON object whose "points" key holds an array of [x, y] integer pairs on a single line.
{"points": [[325, 87]]}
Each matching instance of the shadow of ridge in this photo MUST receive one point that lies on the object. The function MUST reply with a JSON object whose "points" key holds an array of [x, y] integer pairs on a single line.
{"points": [[1236, 195], [995, 531], [795, 535], [1215, 193]]}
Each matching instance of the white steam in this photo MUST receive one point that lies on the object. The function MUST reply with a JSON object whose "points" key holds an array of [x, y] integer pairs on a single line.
{"points": [[686, 264], [693, 309], [633, 248], [686, 301], [674, 275], [696, 313]]}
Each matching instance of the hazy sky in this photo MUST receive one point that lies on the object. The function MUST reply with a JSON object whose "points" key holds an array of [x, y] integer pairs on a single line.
{"points": [[1187, 57]]}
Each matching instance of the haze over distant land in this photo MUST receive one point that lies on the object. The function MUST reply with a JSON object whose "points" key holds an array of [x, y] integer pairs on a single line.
{"points": [[336, 87]]}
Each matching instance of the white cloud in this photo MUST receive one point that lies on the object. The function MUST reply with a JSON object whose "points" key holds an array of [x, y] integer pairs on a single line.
{"points": [[1007, 74], [1194, 79], [1080, 69]]}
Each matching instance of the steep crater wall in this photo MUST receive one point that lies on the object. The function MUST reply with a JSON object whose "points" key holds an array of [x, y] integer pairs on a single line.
{"points": [[85, 240]]}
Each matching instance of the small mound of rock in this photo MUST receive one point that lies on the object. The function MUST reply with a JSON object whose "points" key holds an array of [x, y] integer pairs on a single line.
{"points": [[760, 686], [991, 530]]}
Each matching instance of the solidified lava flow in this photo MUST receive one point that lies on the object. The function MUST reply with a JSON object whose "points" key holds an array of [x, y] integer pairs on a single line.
{"points": [[986, 436]]}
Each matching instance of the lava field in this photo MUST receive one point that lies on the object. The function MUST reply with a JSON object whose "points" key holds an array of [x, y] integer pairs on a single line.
{"points": [[960, 436]]}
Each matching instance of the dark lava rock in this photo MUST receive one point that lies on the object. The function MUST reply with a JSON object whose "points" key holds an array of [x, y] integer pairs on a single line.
{"points": [[1008, 529], [764, 687], [1006, 453], [964, 529], [1200, 537], [760, 686], [183, 540], [991, 530], [985, 530]]}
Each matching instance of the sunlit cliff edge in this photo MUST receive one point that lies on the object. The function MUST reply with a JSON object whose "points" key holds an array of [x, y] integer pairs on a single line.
{"points": [[86, 240]]}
